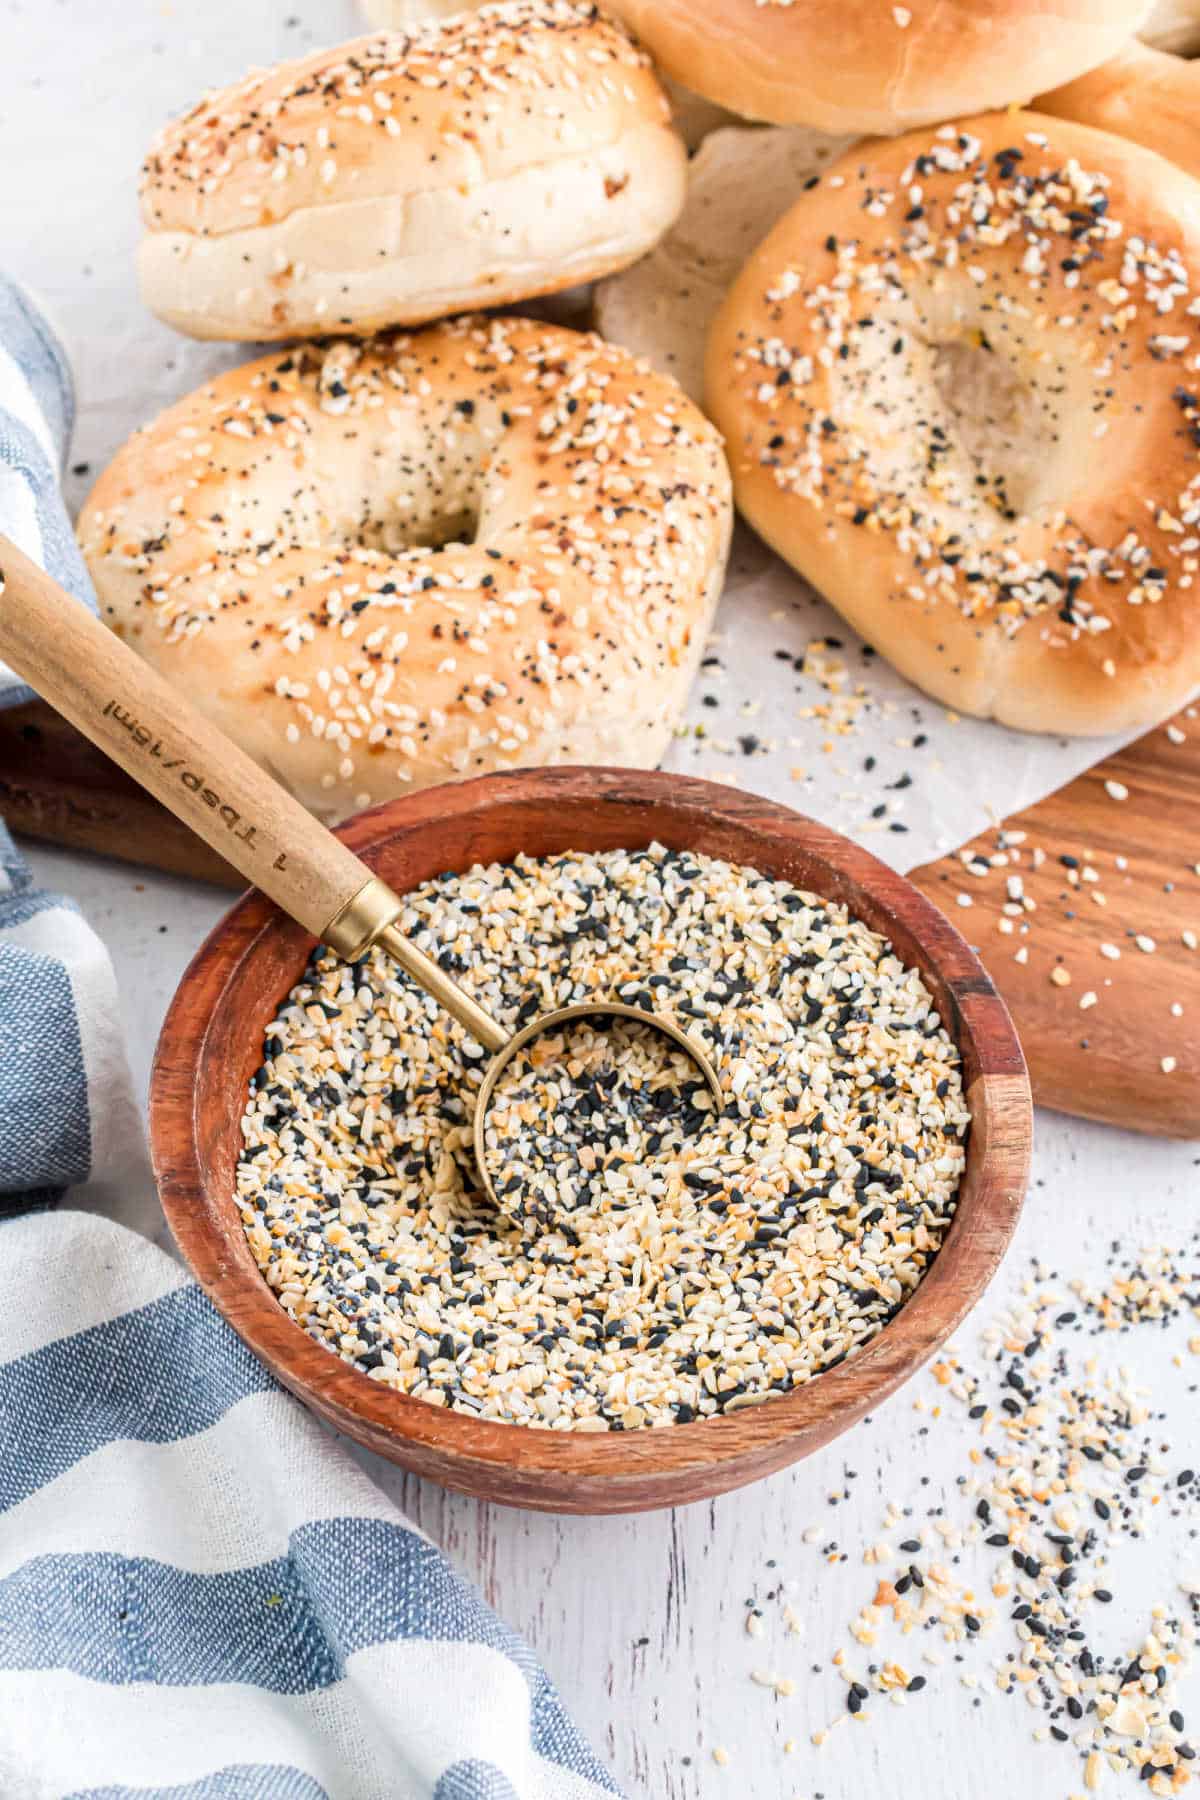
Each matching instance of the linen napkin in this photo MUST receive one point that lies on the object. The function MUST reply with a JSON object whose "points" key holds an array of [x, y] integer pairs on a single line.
{"points": [[202, 1597], [37, 411]]}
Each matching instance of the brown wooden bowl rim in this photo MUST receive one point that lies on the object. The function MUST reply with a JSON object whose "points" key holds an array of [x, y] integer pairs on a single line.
{"points": [[999, 1095]]}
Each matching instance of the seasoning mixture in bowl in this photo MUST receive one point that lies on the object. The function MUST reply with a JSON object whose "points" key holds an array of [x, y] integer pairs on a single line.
{"points": [[596, 1116], [666, 1261]]}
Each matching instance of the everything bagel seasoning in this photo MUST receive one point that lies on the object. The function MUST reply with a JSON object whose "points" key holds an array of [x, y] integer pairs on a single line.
{"points": [[719, 1260], [592, 1116]]}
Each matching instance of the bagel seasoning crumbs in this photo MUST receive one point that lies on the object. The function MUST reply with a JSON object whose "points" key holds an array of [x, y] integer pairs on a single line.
{"points": [[1057, 899], [776, 1239], [1066, 1465]]}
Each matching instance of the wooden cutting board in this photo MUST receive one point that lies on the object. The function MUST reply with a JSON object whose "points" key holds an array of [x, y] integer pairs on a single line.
{"points": [[1090, 927], [56, 786], [1109, 863]]}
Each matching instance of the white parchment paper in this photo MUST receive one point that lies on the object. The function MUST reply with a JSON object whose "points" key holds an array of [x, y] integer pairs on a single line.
{"points": [[821, 725], [791, 703]]}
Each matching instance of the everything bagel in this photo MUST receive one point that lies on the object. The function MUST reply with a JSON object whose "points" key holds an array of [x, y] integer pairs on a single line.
{"points": [[471, 161], [958, 385], [380, 565]]}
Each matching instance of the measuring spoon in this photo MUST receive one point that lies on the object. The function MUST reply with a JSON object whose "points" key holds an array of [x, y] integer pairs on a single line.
{"points": [[161, 740]]}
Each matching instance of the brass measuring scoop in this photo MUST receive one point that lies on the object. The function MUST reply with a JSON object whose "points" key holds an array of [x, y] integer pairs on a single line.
{"points": [[156, 735]]}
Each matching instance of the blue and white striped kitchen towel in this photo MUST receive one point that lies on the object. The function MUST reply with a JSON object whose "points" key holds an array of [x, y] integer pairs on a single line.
{"points": [[37, 410], [68, 1117], [202, 1596]]}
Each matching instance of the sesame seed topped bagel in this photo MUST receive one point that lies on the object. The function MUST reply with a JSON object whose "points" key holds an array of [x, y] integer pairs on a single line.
{"points": [[958, 385], [692, 115], [871, 65], [476, 160], [379, 565]]}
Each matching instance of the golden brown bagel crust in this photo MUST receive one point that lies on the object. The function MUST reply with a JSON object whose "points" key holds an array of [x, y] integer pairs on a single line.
{"points": [[1045, 574], [480, 159], [1144, 95], [871, 65], [255, 543]]}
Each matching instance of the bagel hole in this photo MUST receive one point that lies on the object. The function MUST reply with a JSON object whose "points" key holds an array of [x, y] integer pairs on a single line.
{"points": [[450, 530], [994, 418], [440, 528]]}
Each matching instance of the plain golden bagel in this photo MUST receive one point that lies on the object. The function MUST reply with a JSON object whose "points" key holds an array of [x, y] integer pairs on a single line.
{"points": [[378, 565], [472, 161], [958, 385], [1142, 94], [869, 65]]}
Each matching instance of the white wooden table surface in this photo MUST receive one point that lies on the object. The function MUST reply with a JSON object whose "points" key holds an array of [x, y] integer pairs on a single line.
{"points": [[641, 1620]]}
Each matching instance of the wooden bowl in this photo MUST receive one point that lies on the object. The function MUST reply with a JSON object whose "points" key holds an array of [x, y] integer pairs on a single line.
{"points": [[212, 1041]]}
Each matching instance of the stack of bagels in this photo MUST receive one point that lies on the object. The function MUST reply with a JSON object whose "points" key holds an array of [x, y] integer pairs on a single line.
{"points": [[928, 291]]}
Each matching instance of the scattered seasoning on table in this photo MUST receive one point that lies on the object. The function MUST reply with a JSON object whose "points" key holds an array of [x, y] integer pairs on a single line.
{"points": [[1066, 1462], [726, 1264], [836, 703]]}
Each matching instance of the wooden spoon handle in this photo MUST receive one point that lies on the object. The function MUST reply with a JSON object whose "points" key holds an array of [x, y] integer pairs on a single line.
{"points": [[147, 726]]}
